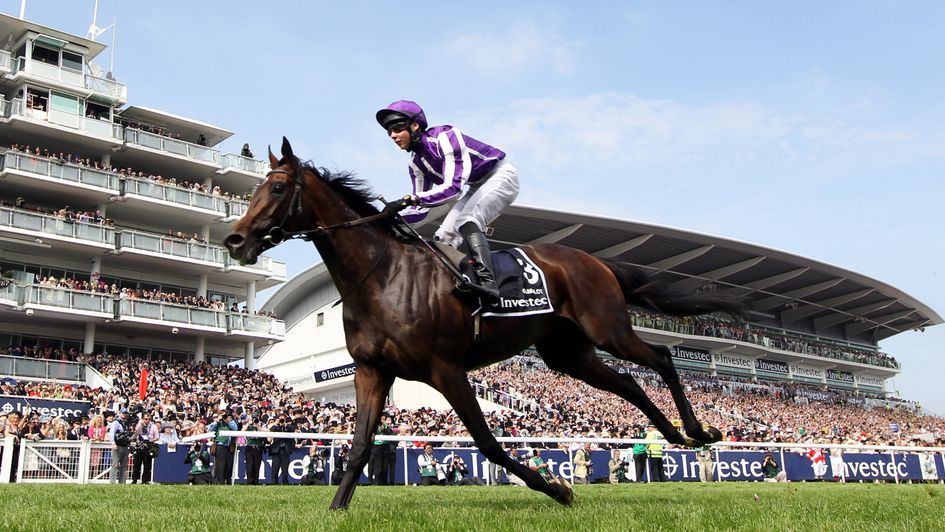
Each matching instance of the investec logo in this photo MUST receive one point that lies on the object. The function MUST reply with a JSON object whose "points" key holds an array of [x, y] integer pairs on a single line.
{"points": [[727, 360], [335, 373]]}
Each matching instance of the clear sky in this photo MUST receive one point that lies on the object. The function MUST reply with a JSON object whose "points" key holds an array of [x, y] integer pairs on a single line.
{"points": [[812, 127]]}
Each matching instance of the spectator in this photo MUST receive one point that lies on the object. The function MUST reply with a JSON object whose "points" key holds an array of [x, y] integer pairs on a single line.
{"points": [[654, 452], [144, 439], [706, 467], [245, 152], [279, 452], [253, 452]]}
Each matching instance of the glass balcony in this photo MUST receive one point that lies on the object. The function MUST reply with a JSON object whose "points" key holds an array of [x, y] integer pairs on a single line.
{"points": [[8, 291], [175, 194], [56, 170], [255, 324], [41, 369], [169, 145], [6, 61], [160, 311], [53, 72], [108, 87], [53, 225], [168, 245], [231, 160], [236, 208], [93, 126], [52, 296], [264, 265]]}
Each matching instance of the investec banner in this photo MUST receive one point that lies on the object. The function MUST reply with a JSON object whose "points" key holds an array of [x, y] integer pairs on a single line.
{"points": [[839, 376], [869, 380], [678, 465], [774, 366], [44, 407], [335, 373], [805, 371], [689, 353], [733, 360]]}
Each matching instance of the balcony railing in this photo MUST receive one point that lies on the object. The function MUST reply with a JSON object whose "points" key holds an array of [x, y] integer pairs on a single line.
{"points": [[236, 208], [175, 194], [52, 168], [255, 324], [53, 296], [19, 219], [175, 146], [168, 245], [108, 87], [253, 166], [94, 126], [263, 264], [8, 290], [6, 61], [170, 312], [48, 71], [36, 368]]}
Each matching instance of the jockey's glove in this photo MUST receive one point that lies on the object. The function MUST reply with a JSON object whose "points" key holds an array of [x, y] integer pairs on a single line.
{"points": [[400, 204]]}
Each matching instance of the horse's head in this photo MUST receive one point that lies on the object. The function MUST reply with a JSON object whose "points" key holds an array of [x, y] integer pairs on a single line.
{"points": [[275, 209]]}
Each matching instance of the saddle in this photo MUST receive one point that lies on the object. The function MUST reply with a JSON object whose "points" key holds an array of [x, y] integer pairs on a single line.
{"points": [[521, 282]]}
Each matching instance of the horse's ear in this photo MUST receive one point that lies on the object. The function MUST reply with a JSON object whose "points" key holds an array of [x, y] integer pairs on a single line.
{"points": [[287, 150], [273, 161]]}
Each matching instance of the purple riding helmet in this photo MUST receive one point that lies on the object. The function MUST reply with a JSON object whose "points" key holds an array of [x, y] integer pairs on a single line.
{"points": [[401, 110]]}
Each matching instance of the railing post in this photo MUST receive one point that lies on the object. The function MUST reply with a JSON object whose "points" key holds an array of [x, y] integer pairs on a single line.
{"points": [[6, 460], [85, 452]]}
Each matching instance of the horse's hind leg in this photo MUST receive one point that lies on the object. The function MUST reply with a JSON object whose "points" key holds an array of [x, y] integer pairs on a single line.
{"points": [[626, 345], [571, 353], [371, 389], [454, 385]]}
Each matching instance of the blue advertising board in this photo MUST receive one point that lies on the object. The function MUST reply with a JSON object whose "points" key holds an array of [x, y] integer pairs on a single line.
{"points": [[679, 465], [44, 407]]}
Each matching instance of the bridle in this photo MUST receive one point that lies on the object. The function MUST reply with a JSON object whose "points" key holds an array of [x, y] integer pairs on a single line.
{"points": [[277, 234]]}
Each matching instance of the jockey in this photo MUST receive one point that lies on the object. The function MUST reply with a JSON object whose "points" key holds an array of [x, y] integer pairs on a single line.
{"points": [[443, 162]]}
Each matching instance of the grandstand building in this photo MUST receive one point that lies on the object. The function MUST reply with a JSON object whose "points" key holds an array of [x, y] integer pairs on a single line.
{"points": [[111, 218], [811, 322]]}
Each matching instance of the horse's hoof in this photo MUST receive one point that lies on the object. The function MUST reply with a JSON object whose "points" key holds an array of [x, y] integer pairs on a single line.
{"points": [[565, 492], [691, 442], [334, 507]]}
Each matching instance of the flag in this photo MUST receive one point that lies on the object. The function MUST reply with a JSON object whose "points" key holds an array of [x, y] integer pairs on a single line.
{"points": [[143, 385]]}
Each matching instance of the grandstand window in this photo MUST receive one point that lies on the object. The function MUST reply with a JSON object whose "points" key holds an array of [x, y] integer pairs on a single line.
{"points": [[71, 61], [45, 55], [320, 319]]}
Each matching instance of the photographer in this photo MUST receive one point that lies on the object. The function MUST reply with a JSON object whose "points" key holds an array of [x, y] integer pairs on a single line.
{"points": [[144, 443], [254, 451], [120, 439], [583, 467], [199, 460], [340, 466], [427, 465], [314, 466], [456, 471], [616, 468], [223, 448], [279, 449], [770, 470]]}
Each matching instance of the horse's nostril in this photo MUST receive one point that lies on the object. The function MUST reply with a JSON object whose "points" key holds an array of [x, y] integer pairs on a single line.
{"points": [[233, 241]]}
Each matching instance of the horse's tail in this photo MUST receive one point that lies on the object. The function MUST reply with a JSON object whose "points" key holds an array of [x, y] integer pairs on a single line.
{"points": [[643, 291]]}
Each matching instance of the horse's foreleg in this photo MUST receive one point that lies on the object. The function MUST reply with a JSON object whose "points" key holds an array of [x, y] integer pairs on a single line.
{"points": [[371, 389], [455, 388]]}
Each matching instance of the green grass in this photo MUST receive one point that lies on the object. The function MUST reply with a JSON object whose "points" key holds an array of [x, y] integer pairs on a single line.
{"points": [[675, 506]]}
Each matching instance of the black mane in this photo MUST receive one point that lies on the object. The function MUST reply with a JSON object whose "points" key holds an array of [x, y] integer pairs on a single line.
{"points": [[354, 191]]}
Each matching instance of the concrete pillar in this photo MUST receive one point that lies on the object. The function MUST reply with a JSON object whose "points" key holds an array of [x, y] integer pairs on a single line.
{"points": [[205, 232], [88, 345], [251, 297], [202, 285], [249, 356], [199, 346]]}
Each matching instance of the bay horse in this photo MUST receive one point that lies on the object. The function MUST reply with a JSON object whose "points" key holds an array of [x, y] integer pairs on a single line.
{"points": [[402, 318]]}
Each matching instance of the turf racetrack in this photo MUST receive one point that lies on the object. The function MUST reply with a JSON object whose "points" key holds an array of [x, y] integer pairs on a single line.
{"points": [[673, 506]]}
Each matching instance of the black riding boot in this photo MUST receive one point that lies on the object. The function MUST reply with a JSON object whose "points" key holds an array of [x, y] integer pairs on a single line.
{"points": [[479, 249]]}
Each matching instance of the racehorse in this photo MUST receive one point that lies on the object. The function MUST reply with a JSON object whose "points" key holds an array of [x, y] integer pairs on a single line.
{"points": [[402, 318]]}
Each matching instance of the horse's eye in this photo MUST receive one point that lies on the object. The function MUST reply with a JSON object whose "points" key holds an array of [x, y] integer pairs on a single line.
{"points": [[277, 188]]}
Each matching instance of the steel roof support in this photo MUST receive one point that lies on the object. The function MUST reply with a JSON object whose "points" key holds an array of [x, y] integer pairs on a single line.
{"points": [[676, 260], [792, 315], [621, 248], [555, 236], [715, 275], [769, 303], [825, 322]]}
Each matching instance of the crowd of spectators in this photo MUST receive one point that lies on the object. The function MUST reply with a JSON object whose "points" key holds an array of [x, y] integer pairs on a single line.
{"points": [[127, 172], [184, 398], [722, 327], [65, 213]]}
